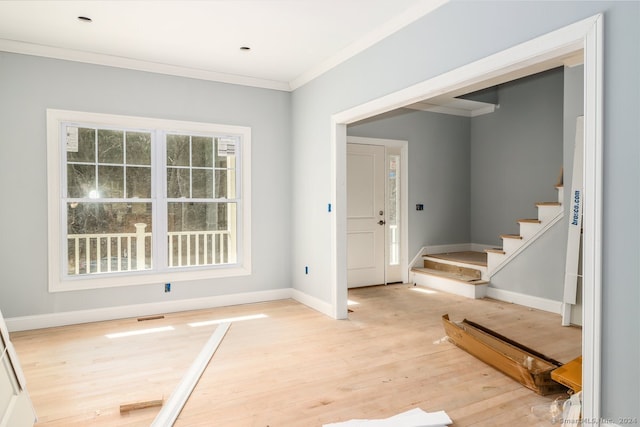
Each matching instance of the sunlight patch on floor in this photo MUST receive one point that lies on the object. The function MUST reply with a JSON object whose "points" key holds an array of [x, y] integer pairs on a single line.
{"points": [[140, 332], [423, 290], [227, 320]]}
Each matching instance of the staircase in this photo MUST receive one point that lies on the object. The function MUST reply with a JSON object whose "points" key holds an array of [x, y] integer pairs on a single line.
{"points": [[467, 271], [530, 229], [460, 272]]}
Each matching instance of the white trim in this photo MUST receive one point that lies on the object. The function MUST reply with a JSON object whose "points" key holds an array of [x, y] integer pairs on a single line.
{"points": [[58, 283], [526, 300], [592, 221], [136, 64], [39, 321], [583, 35], [339, 290], [312, 302], [169, 412]]}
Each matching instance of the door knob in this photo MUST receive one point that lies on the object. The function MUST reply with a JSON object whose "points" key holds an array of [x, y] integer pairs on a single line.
{"points": [[381, 222]]}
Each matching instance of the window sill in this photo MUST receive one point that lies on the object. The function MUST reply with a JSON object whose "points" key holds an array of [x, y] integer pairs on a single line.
{"points": [[114, 280]]}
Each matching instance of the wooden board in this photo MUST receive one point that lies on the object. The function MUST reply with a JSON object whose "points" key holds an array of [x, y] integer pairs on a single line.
{"points": [[468, 257], [528, 367], [570, 374], [463, 272]]}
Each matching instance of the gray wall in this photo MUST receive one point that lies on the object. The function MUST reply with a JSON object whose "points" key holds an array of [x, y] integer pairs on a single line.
{"points": [[438, 173], [516, 155], [29, 85], [456, 34]]}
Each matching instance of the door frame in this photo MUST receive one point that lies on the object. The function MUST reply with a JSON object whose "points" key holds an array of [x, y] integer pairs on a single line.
{"points": [[585, 37], [403, 146]]}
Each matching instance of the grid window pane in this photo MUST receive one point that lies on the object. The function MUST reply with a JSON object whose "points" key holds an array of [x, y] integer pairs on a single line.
{"points": [[177, 150], [138, 148], [138, 182], [81, 180], [225, 184], [110, 146], [202, 151], [178, 183], [110, 182], [86, 147], [202, 183]]}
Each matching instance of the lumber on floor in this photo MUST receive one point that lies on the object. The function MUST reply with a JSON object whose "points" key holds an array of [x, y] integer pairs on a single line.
{"points": [[295, 366], [142, 404]]}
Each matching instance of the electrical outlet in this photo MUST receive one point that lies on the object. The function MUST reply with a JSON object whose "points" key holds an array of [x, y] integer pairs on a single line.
{"points": [[167, 287]]}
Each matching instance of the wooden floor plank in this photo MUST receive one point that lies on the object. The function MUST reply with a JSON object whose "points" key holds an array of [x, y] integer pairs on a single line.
{"points": [[294, 367]]}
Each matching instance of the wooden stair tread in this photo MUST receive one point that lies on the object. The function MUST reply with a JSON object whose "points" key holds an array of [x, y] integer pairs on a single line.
{"points": [[511, 236], [495, 251], [450, 275], [530, 220], [548, 204]]}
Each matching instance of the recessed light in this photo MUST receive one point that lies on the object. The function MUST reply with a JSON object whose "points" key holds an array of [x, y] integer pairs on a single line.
{"points": [[245, 48], [84, 19]]}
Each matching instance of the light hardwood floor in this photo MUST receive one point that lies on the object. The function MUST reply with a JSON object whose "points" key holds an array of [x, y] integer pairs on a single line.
{"points": [[294, 367]]}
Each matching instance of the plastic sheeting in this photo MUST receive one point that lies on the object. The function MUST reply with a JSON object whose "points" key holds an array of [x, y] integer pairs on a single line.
{"points": [[412, 418]]}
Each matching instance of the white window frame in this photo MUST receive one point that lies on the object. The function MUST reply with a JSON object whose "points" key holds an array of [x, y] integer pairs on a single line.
{"points": [[56, 167]]}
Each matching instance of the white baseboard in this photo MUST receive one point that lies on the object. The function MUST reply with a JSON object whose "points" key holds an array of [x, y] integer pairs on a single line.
{"points": [[525, 300], [313, 302], [49, 320]]}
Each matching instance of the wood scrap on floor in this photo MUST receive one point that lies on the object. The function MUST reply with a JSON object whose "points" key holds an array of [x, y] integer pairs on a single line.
{"points": [[527, 366], [142, 404], [570, 374]]}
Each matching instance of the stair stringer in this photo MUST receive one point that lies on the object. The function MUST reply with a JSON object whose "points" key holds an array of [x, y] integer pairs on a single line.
{"points": [[536, 278], [496, 263]]}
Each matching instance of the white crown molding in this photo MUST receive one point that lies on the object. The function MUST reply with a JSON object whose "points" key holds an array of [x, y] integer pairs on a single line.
{"points": [[135, 64], [412, 14]]}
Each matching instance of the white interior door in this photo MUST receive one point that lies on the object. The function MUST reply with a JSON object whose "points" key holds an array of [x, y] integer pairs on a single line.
{"points": [[365, 215]]}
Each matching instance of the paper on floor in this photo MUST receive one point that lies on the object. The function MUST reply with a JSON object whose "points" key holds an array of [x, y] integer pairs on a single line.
{"points": [[411, 418]]}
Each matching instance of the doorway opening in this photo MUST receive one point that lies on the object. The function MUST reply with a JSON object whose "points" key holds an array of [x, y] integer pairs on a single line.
{"points": [[582, 38], [377, 217]]}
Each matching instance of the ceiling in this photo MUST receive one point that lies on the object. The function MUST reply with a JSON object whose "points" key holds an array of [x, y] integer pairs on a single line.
{"points": [[290, 41]]}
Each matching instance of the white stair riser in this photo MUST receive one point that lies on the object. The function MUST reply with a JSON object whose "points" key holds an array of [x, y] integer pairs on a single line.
{"points": [[450, 286], [494, 259], [529, 229], [511, 245], [546, 213]]}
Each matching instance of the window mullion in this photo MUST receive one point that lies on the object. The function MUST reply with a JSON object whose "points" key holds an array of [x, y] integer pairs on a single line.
{"points": [[159, 189]]}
